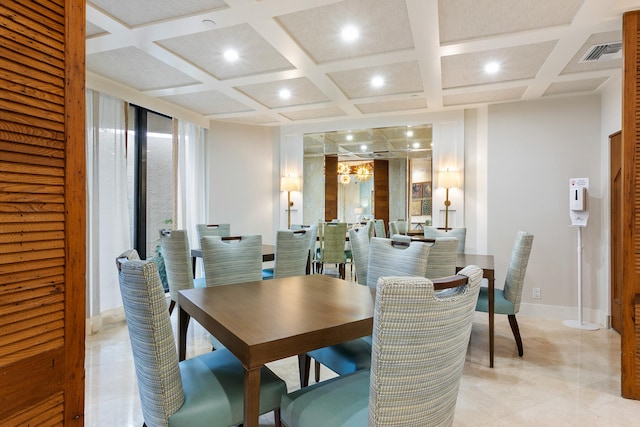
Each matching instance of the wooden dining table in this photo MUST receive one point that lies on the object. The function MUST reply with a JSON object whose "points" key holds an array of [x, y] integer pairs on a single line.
{"points": [[263, 321]]}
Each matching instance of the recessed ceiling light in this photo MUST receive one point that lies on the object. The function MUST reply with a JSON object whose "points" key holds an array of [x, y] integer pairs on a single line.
{"points": [[409, 133], [492, 67], [349, 137], [285, 94], [209, 23], [416, 145], [350, 33], [377, 81], [363, 147], [231, 55]]}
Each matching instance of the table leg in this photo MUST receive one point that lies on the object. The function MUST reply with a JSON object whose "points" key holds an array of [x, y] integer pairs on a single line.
{"points": [[193, 265], [183, 324], [304, 362], [491, 292], [251, 397]]}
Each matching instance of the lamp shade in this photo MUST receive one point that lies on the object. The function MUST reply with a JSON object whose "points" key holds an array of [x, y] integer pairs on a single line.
{"points": [[448, 179], [290, 183]]}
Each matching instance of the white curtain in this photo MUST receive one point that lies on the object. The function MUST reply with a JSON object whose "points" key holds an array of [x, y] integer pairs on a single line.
{"points": [[108, 215], [190, 188]]}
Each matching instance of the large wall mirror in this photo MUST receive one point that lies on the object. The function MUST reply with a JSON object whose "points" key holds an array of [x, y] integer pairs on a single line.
{"points": [[381, 173]]}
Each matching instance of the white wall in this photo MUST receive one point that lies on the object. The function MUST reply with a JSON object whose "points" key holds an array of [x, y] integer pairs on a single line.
{"points": [[533, 149], [242, 178]]}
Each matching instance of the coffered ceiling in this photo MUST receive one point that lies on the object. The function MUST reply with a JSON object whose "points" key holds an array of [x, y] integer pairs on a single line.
{"points": [[430, 54]]}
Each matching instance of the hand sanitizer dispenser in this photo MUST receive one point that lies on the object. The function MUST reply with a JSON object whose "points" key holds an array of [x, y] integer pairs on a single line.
{"points": [[578, 194]]}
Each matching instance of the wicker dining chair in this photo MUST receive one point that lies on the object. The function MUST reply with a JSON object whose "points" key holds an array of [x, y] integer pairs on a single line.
{"points": [[507, 300], [442, 258], [229, 260], [459, 233], [206, 390], [177, 260], [386, 257], [420, 341], [292, 254]]}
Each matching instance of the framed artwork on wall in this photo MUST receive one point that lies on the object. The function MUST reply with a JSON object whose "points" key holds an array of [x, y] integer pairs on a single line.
{"points": [[415, 208], [416, 190], [426, 190]]}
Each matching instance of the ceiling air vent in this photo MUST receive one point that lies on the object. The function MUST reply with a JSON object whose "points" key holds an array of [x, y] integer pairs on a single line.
{"points": [[603, 52]]}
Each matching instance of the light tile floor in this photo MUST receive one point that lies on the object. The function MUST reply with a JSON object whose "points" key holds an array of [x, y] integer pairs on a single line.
{"points": [[567, 377]]}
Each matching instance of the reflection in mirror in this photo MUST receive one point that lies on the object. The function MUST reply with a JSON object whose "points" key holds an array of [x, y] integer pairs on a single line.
{"points": [[399, 190]]}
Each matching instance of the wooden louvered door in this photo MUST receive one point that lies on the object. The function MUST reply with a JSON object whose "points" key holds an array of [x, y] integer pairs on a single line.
{"points": [[630, 206], [42, 212]]}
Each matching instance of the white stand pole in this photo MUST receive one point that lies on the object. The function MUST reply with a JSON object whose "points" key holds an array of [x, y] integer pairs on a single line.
{"points": [[579, 324]]}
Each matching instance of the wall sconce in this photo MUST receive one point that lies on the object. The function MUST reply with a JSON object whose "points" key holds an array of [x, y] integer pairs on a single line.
{"points": [[289, 184], [447, 179]]}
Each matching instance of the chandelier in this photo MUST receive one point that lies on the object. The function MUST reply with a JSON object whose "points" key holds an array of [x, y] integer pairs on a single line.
{"points": [[345, 179], [363, 173], [343, 169]]}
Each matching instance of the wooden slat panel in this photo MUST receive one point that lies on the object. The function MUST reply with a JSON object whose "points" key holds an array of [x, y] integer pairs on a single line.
{"points": [[33, 277], [30, 188], [42, 212], [31, 246], [46, 413], [29, 237], [33, 267], [29, 27], [48, 277], [21, 318], [26, 227], [9, 177], [31, 256], [19, 54], [56, 7], [37, 147], [38, 300], [17, 397], [31, 169], [30, 217], [32, 296], [31, 198]]}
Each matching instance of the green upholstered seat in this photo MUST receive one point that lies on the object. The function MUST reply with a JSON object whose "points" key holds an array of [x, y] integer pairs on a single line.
{"points": [[206, 390], [420, 341]]}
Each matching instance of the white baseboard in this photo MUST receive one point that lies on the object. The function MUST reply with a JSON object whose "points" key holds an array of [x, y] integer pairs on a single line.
{"points": [[565, 313], [115, 315]]}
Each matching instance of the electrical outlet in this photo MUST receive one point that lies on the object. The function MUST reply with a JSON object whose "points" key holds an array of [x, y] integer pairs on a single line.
{"points": [[536, 293]]}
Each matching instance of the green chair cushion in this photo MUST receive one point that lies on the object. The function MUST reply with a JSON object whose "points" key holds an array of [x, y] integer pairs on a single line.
{"points": [[347, 357], [501, 304], [335, 403], [213, 389]]}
